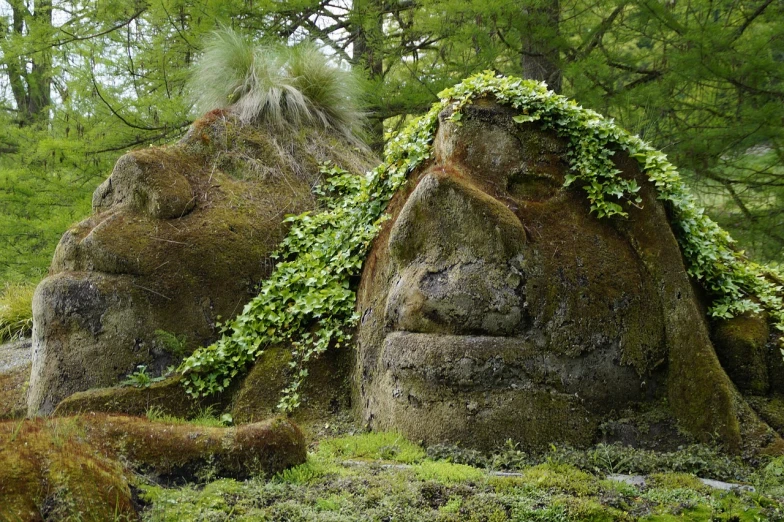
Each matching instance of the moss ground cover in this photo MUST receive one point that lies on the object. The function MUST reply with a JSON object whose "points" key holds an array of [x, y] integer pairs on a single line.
{"points": [[382, 476]]}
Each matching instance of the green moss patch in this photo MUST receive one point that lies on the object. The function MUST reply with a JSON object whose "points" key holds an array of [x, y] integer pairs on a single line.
{"points": [[379, 445], [49, 470]]}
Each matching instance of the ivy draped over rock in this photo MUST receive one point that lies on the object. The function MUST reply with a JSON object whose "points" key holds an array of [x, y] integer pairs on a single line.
{"points": [[309, 302]]}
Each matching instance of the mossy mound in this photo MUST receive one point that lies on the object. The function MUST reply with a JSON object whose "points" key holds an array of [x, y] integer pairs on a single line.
{"points": [[251, 399], [82, 468], [179, 240], [326, 390], [50, 471], [179, 451], [742, 346]]}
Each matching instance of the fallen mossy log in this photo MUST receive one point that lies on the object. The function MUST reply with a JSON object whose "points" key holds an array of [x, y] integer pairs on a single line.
{"points": [[60, 468]]}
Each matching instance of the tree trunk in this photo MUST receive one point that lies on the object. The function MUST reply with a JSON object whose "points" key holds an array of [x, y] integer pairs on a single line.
{"points": [[40, 78], [367, 37], [30, 77], [539, 54]]}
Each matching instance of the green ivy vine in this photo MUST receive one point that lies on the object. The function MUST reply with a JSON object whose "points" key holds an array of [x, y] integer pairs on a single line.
{"points": [[308, 301]]}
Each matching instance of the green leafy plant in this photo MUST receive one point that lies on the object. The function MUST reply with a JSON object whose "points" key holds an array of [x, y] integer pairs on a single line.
{"points": [[141, 379], [172, 343], [309, 302], [16, 311], [275, 84]]}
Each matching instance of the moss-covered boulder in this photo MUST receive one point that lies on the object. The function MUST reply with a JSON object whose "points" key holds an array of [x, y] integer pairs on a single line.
{"points": [[180, 237], [495, 306], [82, 468], [253, 398], [742, 346]]}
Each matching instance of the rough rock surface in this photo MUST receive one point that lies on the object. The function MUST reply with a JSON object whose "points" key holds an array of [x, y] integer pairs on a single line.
{"points": [[494, 306], [15, 366], [180, 236]]}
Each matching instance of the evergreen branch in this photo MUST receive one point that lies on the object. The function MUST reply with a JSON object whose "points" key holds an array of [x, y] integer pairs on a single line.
{"points": [[142, 141], [756, 14], [75, 38], [174, 25], [117, 114], [596, 38]]}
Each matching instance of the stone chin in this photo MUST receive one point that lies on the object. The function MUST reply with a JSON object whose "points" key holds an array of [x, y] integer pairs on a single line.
{"points": [[84, 335], [494, 306]]}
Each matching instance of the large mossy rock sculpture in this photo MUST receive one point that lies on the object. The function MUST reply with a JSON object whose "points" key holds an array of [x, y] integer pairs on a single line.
{"points": [[494, 305], [180, 237]]}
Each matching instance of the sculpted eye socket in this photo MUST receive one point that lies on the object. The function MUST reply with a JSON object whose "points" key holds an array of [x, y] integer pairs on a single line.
{"points": [[503, 158], [532, 186]]}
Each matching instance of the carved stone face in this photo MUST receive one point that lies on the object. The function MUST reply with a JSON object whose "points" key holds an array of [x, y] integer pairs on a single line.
{"points": [[495, 307], [180, 236]]}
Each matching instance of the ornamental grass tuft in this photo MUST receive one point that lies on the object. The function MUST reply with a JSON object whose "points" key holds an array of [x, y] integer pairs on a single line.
{"points": [[275, 85]]}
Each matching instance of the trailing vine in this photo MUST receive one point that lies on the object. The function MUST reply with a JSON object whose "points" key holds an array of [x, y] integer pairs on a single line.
{"points": [[309, 301]]}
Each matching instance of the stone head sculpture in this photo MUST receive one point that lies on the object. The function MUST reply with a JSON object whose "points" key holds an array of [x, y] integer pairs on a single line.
{"points": [[181, 236], [494, 305]]}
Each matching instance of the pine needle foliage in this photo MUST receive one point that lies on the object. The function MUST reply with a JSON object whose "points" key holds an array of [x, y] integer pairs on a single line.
{"points": [[274, 84]]}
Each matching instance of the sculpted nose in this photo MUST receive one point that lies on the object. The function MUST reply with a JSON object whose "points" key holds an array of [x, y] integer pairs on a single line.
{"points": [[147, 185], [460, 257], [120, 237]]}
